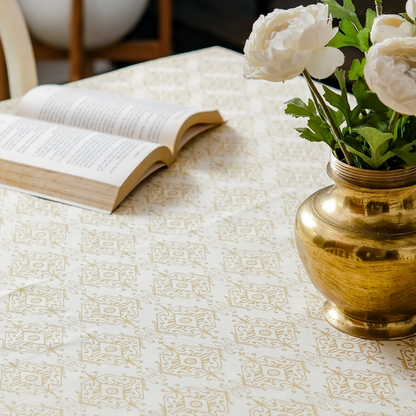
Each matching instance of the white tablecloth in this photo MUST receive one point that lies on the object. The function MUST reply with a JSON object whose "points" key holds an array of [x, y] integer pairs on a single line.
{"points": [[190, 299]]}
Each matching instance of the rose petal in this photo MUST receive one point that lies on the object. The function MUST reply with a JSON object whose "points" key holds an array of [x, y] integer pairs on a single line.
{"points": [[272, 57], [287, 69], [389, 26], [318, 35], [410, 8], [389, 73], [283, 42], [324, 61]]}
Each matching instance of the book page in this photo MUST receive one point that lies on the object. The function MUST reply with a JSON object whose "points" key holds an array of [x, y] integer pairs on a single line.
{"points": [[91, 155], [117, 115], [54, 198], [192, 132]]}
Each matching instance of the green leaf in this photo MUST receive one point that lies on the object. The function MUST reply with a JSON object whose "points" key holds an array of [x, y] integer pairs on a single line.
{"points": [[307, 134], [363, 38], [379, 121], [344, 12], [374, 137], [357, 69], [322, 130], [311, 136], [366, 99], [318, 131], [378, 143], [346, 37], [407, 153], [355, 142], [405, 131], [339, 101], [369, 18], [340, 76], [367, 159], [351, 35], [337, 116], [297, 108]]}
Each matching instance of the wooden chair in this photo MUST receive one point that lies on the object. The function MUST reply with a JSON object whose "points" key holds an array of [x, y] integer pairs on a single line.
{"points": [[17, 52], [131, 51], [80, 60]]}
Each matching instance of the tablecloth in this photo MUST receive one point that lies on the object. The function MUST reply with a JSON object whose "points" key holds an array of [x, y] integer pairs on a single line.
{"points": [[190, 299]]}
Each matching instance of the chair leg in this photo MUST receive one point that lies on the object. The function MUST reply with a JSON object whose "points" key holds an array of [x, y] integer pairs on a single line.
{"points": [[76, 48], [4, 81], [165, 26]]}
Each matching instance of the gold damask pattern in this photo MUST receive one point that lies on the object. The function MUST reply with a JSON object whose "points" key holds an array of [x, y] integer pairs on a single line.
{"points": [[190, 299], [191, 361]]}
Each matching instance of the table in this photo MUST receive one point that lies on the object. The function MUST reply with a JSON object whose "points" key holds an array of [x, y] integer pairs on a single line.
{"points": [[190, 299]]}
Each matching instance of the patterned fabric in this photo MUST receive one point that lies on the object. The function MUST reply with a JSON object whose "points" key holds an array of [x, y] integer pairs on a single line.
{"points": [[190, 299]]}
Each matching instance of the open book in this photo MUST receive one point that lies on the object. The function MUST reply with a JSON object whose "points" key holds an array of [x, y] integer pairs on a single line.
{"points": [[90, 149]]}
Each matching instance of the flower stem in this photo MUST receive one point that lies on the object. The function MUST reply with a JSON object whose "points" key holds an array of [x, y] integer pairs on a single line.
{"points": [[334, 128], [379, 7], [393, 121]]}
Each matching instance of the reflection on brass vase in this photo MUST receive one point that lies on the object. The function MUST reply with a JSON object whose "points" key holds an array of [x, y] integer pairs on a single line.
{"points": [[357, 241]]}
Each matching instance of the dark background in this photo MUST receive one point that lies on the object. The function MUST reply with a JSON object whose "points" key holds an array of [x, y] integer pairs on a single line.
{"points": [[204, 23]]}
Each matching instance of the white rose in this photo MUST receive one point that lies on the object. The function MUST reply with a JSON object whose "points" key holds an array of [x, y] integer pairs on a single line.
{"points": [[411, 8], [390, 72], [285, 42], [390, 26]]}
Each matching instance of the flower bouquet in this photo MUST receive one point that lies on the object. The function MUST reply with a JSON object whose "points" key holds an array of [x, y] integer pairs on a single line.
{"points": [[380, 131], [357, 238]]}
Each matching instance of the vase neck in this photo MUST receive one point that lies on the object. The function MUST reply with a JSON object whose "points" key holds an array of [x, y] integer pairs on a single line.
{"points": [[345, 174]]}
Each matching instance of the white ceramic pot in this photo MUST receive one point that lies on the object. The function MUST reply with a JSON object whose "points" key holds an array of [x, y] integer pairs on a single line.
{"points": [[105, 21]]}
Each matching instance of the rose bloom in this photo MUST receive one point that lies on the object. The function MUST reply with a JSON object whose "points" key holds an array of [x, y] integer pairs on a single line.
{"points": [[285, 42], [389, 26], [411, 8], [390, 72]]}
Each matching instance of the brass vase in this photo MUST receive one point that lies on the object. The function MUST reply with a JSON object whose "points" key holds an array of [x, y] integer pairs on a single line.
{"points": [[357, 241]]}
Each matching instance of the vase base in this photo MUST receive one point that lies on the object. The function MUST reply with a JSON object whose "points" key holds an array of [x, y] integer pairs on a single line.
{"points": [[368, 330]]}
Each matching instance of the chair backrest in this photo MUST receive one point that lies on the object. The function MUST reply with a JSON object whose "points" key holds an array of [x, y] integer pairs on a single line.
{"points": [[18, 51]]}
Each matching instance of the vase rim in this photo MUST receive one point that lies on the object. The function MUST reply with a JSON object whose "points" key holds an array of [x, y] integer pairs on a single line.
{"points": [[345, 174]]}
